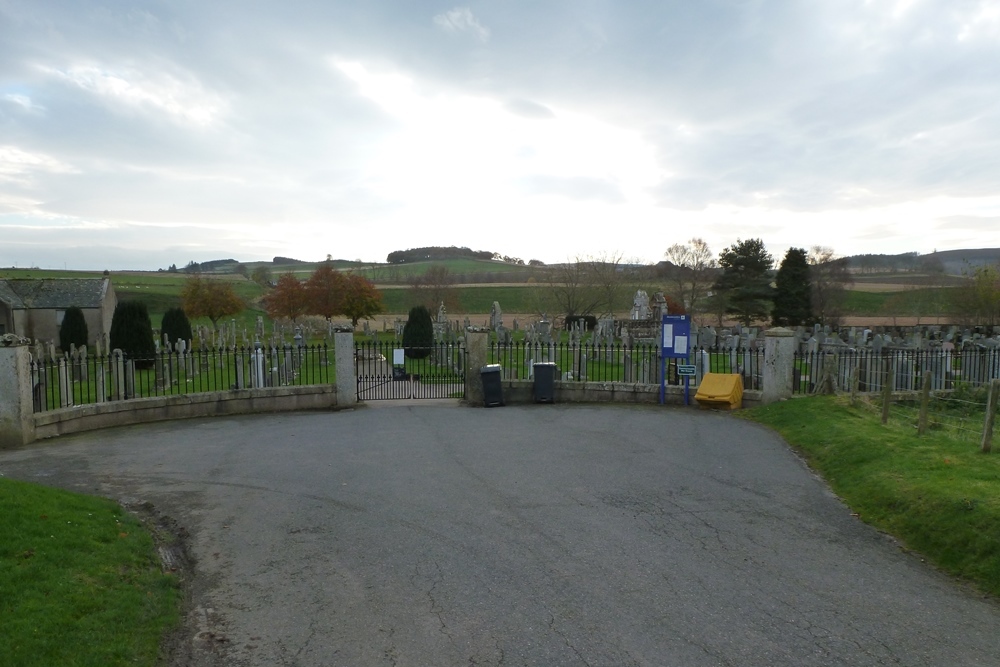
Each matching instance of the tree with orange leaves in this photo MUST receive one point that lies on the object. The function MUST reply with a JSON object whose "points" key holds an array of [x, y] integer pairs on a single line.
{"points": [[325, 291], [361, 298], [287, 300], [207, 297]]}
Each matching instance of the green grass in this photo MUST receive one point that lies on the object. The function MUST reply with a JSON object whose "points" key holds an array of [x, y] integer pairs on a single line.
{"points": [[80, 582], [936, 493]]}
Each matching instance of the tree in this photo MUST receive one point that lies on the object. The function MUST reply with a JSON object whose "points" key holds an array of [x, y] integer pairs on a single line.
{"points": [[572, 289], [261, 275], [745, 283], [132, 333], [434, 287], [176, 326], [287, 300], [978, 303], [418, 333], [214, 299], [611, 279], [73, 330], [325, 291], [793, 291], [242, 270], [361, 299], [830, 278], [692, 273]]}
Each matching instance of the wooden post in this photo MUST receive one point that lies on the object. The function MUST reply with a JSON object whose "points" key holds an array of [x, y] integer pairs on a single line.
{"points": [[854, 384], [887, 390], [925, 400], [991, 411]]}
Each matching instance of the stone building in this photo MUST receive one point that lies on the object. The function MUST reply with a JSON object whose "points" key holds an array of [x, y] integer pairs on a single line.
{"points": [[34, 307]]}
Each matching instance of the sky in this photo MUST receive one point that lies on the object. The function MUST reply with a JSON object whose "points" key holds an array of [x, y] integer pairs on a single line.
{"points": [[139, 134]]}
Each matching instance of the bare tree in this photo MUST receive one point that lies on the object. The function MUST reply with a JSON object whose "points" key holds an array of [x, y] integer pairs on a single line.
{"points": [[830, 279], [572, 288], [692, 274], [434, 287]]}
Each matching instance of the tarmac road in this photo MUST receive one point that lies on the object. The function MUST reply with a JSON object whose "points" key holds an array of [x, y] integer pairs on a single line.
{"points": [[427, 534]]}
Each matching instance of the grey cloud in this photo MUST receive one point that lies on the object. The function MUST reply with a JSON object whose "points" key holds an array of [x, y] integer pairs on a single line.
{"points": [[529, 109]]}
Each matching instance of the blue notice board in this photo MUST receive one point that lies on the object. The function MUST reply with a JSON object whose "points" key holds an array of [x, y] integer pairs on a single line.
{"points": [[676, 336]]}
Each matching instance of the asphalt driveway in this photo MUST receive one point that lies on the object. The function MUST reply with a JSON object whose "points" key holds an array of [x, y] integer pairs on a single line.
{"points": [[430, 534]]}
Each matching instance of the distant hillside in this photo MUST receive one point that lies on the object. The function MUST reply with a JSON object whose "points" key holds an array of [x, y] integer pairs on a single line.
{"points": [[952, 262], [438, 253]]}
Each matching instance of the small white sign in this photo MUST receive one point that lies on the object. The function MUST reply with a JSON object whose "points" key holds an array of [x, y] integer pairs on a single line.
{"points": [[668, 334], [681, 345], [397, 358]]}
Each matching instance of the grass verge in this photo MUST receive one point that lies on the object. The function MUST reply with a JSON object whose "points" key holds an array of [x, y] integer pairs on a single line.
{"points": [[80, 582], [937, 494]]}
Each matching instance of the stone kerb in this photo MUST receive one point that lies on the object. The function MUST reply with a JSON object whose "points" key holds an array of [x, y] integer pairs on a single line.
{"points": [[17, 426]]}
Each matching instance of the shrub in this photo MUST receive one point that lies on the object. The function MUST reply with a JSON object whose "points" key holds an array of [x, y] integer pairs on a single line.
{"points": [[175, 326], [418, 333], [132, 332], [73, 330]]}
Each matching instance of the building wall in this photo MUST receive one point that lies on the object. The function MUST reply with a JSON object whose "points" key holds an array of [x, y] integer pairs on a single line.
{"points": [[6, 320]]}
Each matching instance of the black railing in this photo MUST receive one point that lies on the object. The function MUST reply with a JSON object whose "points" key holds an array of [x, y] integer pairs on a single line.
{"points": [[904, 369], [638, 364], [386, 371], [66, 381]]}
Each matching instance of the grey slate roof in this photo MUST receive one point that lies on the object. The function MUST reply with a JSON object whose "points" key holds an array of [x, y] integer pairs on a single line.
{"points": [[52, 292]]}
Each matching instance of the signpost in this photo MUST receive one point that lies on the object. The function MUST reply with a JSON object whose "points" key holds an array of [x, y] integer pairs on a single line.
{"points": [[676, 337]]}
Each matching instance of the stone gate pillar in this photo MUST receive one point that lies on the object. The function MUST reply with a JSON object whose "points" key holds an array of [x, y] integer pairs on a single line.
{"points": [[779, 364], [347, 376], [17, 421], [477, 351]]}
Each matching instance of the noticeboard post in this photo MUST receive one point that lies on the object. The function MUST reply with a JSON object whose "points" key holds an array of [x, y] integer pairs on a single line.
{"points": [[676, 343]]}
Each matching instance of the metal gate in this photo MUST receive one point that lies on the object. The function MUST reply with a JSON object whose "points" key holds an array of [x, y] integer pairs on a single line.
{"points": [[385, 371]]}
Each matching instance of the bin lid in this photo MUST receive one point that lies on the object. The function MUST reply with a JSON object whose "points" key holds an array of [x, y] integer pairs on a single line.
{"points": [[544, 363], [490, 368]]}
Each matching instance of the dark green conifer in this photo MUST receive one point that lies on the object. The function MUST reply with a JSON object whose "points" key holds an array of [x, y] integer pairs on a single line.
{"points": [[418, 333], [73, 330]]}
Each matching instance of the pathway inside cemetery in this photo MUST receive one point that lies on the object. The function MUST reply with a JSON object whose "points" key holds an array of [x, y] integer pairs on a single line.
{"points": [[432, 534]]}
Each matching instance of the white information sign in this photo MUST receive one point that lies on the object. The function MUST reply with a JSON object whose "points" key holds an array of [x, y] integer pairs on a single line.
{"points": [[397, 358]]}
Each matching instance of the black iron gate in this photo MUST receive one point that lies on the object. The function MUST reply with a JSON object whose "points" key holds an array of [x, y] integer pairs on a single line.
{"points": [[385, 371]]}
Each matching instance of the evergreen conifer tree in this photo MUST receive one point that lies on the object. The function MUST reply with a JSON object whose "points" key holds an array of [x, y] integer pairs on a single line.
{"points": [[793, 291], [132, 333], [176, 326], [73, 330], [418, 333]]}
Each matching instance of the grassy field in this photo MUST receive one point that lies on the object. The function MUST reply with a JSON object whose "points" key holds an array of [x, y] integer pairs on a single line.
{"points": [[80, 582], [936, 493], [161, 290]]}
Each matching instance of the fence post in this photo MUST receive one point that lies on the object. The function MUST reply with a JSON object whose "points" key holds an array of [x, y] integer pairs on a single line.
{"points": [[991, 412], [887, 389], [17, 421], [477, 347], [925, 401], [779, 364], [854, 384], [347, 376]]}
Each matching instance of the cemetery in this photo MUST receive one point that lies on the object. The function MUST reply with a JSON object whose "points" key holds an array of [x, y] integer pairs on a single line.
{"points": [[234, 368]]}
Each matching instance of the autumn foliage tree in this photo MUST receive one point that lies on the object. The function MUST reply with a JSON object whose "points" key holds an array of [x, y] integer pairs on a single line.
{"points": [[325, 291], [361, 298], [287, 300], [214, 299]]}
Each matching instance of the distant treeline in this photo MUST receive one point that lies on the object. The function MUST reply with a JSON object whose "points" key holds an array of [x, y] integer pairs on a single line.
{"points": [[436, 252]]}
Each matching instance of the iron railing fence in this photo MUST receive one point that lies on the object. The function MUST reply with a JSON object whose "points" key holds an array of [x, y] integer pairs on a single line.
{"points": [[903, 368], [66, 381], [638, 364], [385, 371]]}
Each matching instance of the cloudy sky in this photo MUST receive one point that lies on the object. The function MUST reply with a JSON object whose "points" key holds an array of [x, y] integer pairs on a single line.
{"points": [[136, 134]]}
